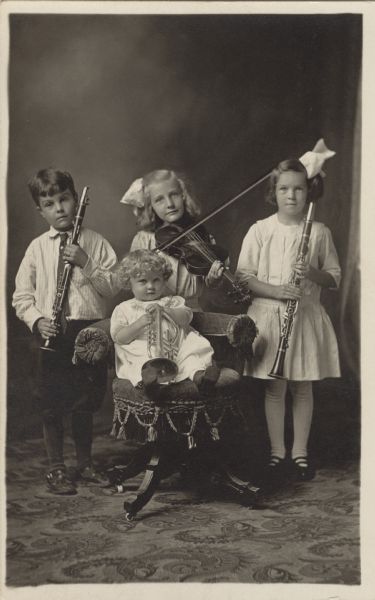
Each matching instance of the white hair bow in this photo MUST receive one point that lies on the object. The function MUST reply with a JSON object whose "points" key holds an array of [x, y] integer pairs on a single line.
{"points": [[134, 196], [315, 158]]}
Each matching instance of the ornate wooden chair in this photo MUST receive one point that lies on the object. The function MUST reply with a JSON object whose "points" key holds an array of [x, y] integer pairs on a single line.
{"points": [[187, 431]]}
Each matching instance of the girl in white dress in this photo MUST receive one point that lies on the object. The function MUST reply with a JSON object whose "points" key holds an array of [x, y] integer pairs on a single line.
{"points": [[267, 259], [148, 273], [161, 198]]}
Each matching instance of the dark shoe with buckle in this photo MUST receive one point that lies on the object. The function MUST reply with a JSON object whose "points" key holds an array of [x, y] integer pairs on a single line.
{"points": [[91, 475], [59, 484], [303, 469]]}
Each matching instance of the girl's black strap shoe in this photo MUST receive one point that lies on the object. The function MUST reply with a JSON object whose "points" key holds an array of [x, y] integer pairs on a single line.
{"points": [[303, 469]]}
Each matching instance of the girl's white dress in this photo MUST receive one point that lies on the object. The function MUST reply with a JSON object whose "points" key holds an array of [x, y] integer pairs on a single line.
{"points": [[181, 282], [194, 352], [268, 252]]}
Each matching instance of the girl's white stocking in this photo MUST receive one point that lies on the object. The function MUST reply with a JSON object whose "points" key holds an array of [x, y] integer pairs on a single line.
{"points": [[275, 415], [302, 415]]}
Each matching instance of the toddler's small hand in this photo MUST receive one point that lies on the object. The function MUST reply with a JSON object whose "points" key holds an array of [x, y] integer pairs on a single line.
{"points": [[146, 320], [152, 308]]}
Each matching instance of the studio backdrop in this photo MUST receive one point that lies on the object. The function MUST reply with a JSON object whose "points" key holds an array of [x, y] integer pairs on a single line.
{"points": [[222, 98]]}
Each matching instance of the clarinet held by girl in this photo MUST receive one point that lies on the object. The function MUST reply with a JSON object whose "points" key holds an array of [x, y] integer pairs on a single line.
{"points": [[269, 255]]}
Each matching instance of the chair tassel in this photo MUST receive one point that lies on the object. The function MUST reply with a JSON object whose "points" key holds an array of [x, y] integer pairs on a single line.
{"points": [[215, 434], [113, 430], [151, 434], [121, 433], [191, 442]]}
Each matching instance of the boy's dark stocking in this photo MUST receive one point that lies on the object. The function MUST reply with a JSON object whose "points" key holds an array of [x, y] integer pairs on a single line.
{"points": [[82, 435], [53, 434]]}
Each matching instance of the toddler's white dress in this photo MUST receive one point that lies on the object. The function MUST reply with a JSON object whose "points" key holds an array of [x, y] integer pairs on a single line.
{"points": [[194, 352]]}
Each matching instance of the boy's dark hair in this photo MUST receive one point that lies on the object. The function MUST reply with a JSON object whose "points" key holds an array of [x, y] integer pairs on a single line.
{"points": [[48, 182], [315, 185]]}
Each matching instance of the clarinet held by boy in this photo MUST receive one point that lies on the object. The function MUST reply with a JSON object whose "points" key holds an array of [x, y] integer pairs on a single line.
{"points": [[62, 387]]}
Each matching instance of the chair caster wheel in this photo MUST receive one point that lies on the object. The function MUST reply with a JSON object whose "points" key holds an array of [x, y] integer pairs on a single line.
{"points": [[129, 514]]}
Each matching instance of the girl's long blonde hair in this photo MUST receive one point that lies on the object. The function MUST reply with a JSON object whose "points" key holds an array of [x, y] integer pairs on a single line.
{"points": [[147, 219]]}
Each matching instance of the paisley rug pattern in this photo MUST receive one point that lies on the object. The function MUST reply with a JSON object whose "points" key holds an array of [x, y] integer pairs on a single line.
{"points": [[305, 533]]}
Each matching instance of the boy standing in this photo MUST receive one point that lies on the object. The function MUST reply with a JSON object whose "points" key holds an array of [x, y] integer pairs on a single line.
{"points": [[62, 387]]}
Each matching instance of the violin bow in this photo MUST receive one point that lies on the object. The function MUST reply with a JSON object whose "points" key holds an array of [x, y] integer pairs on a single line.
{"points": [[319, 148], [211, 214]]}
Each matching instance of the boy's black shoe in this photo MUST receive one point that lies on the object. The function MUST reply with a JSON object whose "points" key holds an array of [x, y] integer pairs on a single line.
{"points": [[91, 475], [59, 484]]}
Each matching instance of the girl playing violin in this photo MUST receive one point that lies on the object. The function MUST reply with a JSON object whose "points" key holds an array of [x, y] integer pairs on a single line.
{"points": [[160, 199]]}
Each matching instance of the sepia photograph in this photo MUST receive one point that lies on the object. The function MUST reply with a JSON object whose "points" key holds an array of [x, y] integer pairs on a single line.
{"points": [[184, 218]]}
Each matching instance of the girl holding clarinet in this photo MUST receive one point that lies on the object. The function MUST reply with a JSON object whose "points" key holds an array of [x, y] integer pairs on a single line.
{"points": [[286, 262]]}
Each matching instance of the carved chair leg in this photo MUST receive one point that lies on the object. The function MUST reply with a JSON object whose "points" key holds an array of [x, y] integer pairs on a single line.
{"points": [[148, 486], [246, 492], [223, 476], [120, 473]]}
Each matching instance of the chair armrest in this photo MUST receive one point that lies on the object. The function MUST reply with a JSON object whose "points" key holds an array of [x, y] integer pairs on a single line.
{"points": [[239, 330], [94, 344]]}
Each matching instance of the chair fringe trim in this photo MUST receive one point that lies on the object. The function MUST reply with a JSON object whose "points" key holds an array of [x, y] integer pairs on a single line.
{"points": [[123, 410]]}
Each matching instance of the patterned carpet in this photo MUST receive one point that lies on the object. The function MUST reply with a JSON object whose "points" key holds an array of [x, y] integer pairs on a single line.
{"points": [[305, 533]]}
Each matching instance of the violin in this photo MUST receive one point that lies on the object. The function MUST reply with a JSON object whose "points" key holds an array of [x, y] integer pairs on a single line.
{"points": [[198, 253]]}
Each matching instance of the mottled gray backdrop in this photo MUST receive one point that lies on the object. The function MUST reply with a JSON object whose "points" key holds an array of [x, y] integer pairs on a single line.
{"points": [[221, 97]]}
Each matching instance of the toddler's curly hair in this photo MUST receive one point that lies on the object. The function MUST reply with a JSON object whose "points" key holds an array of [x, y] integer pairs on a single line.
{"points": [[142, 261]]}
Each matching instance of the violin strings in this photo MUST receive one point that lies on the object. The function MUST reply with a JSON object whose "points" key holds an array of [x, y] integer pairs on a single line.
{"points": [[210, 256], [207, 253], [202, 249]]}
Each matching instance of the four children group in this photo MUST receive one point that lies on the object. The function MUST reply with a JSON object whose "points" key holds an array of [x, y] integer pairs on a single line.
{"points": [[159, 282]]}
